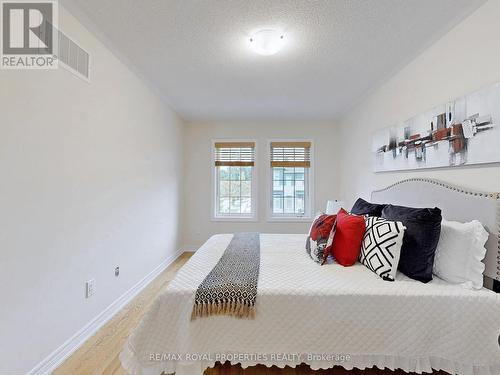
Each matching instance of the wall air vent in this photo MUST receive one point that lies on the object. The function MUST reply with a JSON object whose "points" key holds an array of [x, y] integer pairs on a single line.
{"points": [[72, 56]]}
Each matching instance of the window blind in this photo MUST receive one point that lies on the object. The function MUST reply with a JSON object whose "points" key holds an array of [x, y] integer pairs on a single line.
{"points": [[234, 154], [291, 154]]}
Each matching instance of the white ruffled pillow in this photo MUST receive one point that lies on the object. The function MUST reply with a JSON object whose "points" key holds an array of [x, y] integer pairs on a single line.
{"points": [[460, 252]]}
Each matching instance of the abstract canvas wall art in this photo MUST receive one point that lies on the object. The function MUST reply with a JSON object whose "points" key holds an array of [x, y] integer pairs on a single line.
{"points": [[461, 132]]}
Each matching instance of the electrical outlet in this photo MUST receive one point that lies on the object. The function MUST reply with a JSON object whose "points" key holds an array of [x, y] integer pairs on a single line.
{"points": [[89, 288], [117, 271]]}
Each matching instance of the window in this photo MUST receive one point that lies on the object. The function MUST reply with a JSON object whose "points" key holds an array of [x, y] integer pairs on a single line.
{"points": [[234, 180], [290, 179]]}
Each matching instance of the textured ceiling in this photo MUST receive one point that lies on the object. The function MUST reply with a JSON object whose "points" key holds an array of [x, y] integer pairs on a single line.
{"points": [[196, 52]]}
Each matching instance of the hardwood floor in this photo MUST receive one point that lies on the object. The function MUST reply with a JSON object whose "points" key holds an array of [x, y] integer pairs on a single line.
{"points": [[99, 354], [303, 369]]}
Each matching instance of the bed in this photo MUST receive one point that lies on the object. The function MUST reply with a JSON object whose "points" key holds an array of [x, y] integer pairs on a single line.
{"points": [[332, 315]]}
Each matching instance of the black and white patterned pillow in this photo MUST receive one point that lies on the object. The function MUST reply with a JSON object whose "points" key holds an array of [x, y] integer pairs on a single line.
{"points": [[381, 246]]}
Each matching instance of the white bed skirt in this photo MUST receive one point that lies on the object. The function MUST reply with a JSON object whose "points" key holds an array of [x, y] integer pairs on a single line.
{"points": [[416, 365], [310, 309]]}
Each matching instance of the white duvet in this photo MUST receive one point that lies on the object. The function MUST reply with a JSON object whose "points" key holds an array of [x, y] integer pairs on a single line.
{"points": [[321, 315]]}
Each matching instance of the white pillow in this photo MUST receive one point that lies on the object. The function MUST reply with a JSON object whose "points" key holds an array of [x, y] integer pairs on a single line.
{"points": [[460, 252]]}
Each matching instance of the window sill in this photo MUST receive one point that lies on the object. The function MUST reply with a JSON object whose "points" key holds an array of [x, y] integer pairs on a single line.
{"points": [[301, 219], [234, 219]]}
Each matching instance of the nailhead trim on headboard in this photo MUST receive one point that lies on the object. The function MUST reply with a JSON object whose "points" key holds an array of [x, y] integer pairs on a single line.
{"points": [[445, 185]]}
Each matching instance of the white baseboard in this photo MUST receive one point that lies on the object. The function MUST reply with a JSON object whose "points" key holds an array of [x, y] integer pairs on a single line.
{"points": [[189, 248], [58, 356]]}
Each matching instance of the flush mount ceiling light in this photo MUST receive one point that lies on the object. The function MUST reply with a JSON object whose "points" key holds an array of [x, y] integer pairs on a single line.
{"points": [[267, 42]]}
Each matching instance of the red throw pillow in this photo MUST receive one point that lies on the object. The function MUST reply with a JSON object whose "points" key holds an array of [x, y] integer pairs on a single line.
{"points": [[322, 227], [317, 245], [348, 237]]}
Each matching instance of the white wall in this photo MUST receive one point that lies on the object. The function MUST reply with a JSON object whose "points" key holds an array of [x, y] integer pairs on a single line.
{"points": [[197, 225], [464, 60], [89, 179]]}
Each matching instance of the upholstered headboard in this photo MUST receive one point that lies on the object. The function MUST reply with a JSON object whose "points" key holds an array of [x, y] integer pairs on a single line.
{"points": [[456, 203]]}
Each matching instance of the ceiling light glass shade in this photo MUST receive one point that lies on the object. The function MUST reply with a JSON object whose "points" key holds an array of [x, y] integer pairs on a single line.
{"points": [[267, 42]]}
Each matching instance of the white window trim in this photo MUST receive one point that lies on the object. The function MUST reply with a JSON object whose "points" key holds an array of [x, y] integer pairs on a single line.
{"points": [[213, 192], [310, 198]]}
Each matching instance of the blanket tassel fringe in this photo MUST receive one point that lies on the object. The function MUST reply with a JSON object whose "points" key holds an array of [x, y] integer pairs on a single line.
{"points": [[235, 308]]}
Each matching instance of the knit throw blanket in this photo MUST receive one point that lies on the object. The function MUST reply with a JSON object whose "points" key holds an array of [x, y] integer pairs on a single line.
{"points": [[231, 287]]}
